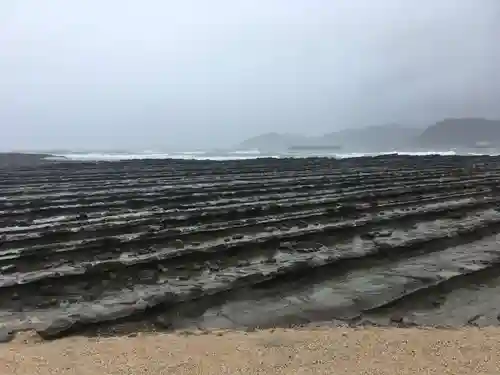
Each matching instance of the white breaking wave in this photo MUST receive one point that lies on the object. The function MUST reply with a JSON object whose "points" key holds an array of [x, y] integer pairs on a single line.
{"points": [[246, 152], [133, 156], [231, 155]]}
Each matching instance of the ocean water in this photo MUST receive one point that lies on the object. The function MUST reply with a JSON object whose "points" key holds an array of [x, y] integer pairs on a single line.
{"points": [[231, 155]]}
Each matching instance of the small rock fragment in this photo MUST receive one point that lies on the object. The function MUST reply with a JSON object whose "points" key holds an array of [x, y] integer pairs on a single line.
{"points": [[367, 236], [270, 261], [57, 328], [8, 268], [83, 216], [286, 246], [164, 321], [162, 268], [303, 224], [397, 318], [6, 335], [179, 244]]}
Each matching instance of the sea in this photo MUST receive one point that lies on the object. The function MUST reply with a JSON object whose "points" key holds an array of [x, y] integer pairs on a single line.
{"points": [[241, 155]]}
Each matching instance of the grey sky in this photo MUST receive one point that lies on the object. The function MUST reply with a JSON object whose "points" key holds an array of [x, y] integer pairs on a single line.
{"points": [[192, 73]]}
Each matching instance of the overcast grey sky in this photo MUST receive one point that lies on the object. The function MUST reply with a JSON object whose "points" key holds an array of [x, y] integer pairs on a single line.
{"points": [[194, 73]]}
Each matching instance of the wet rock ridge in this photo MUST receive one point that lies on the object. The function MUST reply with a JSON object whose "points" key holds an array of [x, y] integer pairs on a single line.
{"points": [[116, 247]]}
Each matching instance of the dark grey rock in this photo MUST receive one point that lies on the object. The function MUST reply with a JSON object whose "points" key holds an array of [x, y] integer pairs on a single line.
{"points": [[162, 268], [57, 328], [179, 244], [303, 224], [368, 236], [397, 318], [6, 335], [286, 245], [148, 275], [304, 250], [164, 321], [8, 268]]}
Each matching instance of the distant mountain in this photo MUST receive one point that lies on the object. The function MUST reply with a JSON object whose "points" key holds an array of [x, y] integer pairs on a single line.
{"points": [[461, 132], [376, 138], [369, 139]]}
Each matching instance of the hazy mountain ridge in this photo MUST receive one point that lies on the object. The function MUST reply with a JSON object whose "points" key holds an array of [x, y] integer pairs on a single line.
{"points": [[460, 132], [375, 138], [372, 138]]}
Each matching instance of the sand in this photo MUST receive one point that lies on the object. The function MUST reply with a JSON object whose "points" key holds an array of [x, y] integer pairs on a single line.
{"points": [[301, 351]]}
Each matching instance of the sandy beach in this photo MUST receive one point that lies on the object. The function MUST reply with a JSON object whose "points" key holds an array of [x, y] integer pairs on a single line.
{"points": [[284, 351]]}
